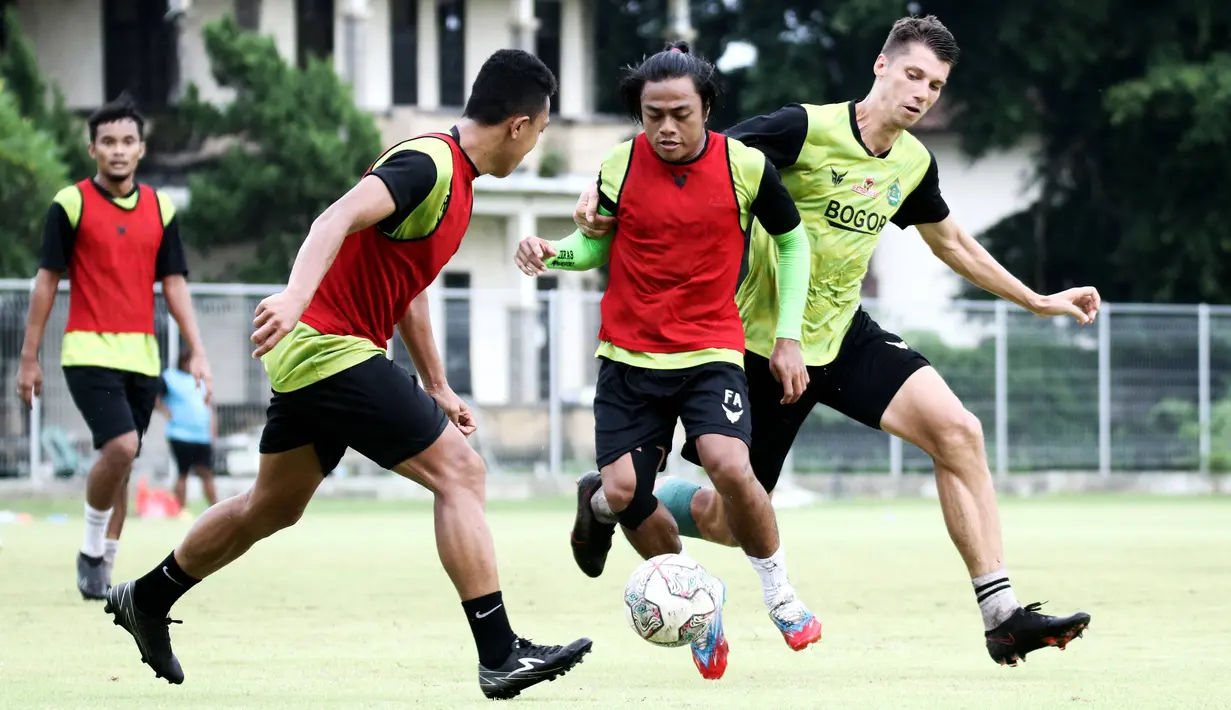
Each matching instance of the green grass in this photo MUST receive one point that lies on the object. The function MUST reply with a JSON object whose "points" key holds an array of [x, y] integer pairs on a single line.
{"points": [[350, 609]]}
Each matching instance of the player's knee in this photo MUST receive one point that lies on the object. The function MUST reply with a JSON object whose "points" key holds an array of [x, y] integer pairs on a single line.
{"points": [[732, 473], [957, 434], [620, 490], [265, 515], [122, 449], [464, 474]]}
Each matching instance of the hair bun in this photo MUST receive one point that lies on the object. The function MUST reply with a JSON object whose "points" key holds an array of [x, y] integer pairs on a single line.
{"points": [[680, 46]]}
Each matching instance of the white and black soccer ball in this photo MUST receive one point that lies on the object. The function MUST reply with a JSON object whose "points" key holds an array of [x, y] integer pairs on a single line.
{"points": [[670, 600]]}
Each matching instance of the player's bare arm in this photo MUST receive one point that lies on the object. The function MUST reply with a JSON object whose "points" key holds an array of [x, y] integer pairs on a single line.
{"points": [[42, 299], [415, 328], [967, 257], [590, 219], [361, 207]]}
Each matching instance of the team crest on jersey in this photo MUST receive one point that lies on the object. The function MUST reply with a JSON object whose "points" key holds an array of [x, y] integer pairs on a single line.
{"points": [[837, 177], [895, 194], [868, 188]]}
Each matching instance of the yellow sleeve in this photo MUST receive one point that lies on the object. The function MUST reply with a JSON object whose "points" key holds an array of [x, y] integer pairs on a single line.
{"points": [[747, 169], [165, 207], [70, 199], [611, 175]]}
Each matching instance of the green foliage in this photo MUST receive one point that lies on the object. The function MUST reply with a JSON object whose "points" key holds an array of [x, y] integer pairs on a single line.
{"points": [[30, 175], [42, 104], [297, 144]]}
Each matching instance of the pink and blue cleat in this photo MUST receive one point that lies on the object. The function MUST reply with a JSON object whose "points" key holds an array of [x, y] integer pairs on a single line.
{"points": [[710, 651], [800, 627]]}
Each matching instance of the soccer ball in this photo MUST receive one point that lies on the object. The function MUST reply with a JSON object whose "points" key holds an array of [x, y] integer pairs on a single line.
{"points": [[669, 600]]}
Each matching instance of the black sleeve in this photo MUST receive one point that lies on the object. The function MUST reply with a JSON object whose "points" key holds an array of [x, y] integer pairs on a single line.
{"points": [[58, 239], [923, 205], [773, 205], [171, 260], [410, 177], [779, 135]]}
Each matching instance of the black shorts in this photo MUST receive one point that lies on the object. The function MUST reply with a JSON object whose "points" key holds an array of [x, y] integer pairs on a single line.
{"points": [[636, 406], [376, 407], [189, 454], [871, 366], [112, 402]]}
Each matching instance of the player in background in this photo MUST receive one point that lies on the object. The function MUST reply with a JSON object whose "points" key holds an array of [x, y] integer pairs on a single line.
{"points": [[192, 426], [115, 238], [671, 341], [851, 168], [360, 274]]}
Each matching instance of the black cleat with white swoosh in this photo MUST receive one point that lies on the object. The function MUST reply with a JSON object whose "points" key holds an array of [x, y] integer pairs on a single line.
{"points": [[93, 577], [529, 664], [150, 633]]}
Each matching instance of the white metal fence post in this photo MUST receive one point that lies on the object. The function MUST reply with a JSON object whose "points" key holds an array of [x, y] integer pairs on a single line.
{"points": [[1002, 388], [554, 414], [173, 357], [1104, 390], [1203, 384]]}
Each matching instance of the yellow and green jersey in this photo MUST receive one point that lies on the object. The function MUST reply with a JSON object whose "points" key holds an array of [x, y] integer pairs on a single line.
{"points": [[845, 195]]}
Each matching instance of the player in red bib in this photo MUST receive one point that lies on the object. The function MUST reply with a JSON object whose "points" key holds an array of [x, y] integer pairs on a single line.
{"points": [[361, 274], [671, 341], [113, 237]]}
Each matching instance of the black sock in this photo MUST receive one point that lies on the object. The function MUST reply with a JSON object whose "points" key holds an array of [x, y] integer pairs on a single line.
{"points": [[490, 625], [161, 587]]}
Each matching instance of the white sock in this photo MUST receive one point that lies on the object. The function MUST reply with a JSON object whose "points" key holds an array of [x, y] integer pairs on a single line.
{"points": [[110, 547], [95, 531], [996, 598], [773, 575], [602, 509]]}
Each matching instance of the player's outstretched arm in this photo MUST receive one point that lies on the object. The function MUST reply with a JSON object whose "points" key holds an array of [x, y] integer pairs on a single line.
{"points": [[364, 205], [576, 252], [415, 328], [967, 257]]}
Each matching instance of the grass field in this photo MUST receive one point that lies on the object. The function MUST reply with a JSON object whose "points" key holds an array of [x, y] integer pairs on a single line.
{"points": [[350, 609]]}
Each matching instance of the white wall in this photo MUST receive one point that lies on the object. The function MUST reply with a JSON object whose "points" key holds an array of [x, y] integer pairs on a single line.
{"points": [[68, 41]]}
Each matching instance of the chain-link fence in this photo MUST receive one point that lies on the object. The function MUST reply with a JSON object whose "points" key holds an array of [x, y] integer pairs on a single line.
{"points": [[1146, 388]]}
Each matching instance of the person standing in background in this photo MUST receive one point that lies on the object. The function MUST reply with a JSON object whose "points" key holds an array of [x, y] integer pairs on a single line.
{"points": [[191, 428]]}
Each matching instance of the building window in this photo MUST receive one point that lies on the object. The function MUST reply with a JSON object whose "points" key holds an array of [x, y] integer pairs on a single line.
{"points": [[314, 30], [547, 335], [404, 34], [451, 30], [547, 39], [457, 332], [138, 51], [248, 14]]}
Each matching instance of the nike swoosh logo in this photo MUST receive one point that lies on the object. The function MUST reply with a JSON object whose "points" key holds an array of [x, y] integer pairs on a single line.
{"points": [[168, 574], [477, 614]]}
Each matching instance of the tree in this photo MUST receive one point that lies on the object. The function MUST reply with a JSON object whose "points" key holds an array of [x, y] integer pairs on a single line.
{"points": [[30, 175], [297, 142], [40, 103]]}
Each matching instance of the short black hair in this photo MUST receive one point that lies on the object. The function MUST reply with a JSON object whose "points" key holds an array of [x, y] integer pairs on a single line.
{"points": [[928, 31], [510, 83], [118, 109], [675, 61]]}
